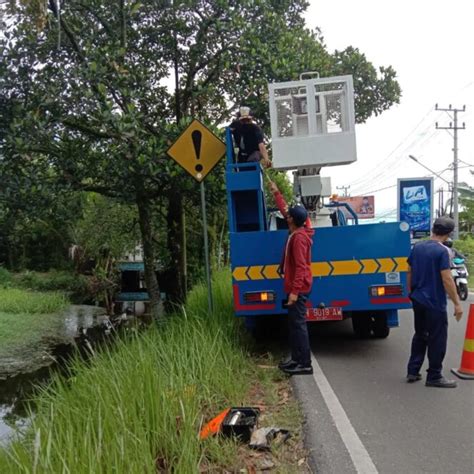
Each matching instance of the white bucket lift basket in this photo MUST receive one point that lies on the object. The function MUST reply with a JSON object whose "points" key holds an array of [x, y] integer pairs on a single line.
{"points": [[312, 122]]}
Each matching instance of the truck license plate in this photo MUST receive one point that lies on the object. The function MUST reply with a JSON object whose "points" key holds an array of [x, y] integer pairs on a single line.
{"points": [[324, 314]]}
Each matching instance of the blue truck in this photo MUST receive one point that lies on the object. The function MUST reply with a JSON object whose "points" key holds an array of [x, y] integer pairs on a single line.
{"points": [[359, 271]]}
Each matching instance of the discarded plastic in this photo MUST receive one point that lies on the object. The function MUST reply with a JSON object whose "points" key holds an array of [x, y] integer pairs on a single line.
{"points": [[262, 438], [214, 426]]}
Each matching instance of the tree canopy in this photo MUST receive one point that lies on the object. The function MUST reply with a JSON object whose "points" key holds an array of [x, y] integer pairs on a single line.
{"points": [[95, 94]]}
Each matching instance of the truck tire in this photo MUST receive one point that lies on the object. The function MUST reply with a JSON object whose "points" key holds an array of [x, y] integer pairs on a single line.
{"points": [[361, 324], [463, 291], [380, 326], [263, 328]]}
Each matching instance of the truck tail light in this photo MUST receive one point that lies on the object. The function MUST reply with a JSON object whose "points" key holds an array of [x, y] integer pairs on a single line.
{"points": [[259, 297], [386, 290]]}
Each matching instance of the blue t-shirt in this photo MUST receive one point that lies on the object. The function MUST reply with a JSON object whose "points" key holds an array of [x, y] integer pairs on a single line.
{"points": [[427, 259]]}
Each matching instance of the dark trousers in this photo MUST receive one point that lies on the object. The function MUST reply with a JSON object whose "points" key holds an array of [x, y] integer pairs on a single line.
{"points": [[298, 331], [254, 157], [431, 334]]}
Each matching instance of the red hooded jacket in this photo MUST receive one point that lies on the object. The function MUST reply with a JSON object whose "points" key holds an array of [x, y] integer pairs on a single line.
{"points": [[296, 261]]}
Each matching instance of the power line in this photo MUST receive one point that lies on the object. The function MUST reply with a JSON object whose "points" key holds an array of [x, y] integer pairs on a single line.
{"points": [[395, 185], [391, 166], [383, 163], [381, 189], [345, 188]]}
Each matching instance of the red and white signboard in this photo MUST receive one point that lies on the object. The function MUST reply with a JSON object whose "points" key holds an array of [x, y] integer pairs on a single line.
{"points": [[363, 206]]}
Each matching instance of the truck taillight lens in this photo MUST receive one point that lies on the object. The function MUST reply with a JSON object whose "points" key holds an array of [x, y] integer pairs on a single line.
{"points": [[386, 290], [259, 297]]}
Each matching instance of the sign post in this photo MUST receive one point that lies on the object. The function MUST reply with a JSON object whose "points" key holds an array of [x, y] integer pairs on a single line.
{"points": [[206, 249], [198, 151]]}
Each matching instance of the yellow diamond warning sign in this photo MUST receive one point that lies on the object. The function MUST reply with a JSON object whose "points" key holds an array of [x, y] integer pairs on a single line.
{"points": [[197, 150]]}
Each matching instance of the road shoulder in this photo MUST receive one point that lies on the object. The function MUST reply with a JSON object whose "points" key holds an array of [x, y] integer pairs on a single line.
{"points": [[327, 453]]}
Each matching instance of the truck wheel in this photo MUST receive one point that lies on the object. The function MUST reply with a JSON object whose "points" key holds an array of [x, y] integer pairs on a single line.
{"points": [[361, 324], [264, 328], [463, 291], [380, 326]]}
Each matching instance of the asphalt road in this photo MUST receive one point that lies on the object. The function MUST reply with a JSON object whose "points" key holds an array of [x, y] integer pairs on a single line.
{"points": [[390, 426]]}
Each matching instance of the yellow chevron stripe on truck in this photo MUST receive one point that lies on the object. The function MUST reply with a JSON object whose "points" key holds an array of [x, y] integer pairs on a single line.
{"points": [[324, 269]]}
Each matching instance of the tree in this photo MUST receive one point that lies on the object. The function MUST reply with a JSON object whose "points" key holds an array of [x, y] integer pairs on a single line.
{"points": [[466, 216], [92, 111]]}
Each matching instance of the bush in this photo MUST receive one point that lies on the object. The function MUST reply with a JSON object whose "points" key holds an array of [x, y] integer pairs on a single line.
{"points": [[466, 247], [5, 277], [75, 285]]}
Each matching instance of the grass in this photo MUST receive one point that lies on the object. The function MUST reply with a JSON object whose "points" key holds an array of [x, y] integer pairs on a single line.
{"points": [[21, 331], [26, 318], [17, 301], [138, 407]]}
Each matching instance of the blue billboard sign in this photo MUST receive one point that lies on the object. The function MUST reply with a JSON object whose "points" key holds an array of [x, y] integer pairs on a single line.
{"points": [[415, 204]]}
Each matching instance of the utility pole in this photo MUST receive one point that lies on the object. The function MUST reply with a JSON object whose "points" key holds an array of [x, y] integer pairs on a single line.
{"points": [[345, 188], [454, 127]]}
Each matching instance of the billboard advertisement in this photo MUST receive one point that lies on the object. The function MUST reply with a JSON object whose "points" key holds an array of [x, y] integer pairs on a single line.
{"points": [[415, 204], [363, 206]]}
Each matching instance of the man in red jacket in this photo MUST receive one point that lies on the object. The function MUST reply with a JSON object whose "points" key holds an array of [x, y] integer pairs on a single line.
{"points": [[298, 279]]}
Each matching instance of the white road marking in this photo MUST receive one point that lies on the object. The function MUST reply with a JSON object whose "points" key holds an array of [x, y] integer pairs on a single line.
{"points": [[360, 457]]}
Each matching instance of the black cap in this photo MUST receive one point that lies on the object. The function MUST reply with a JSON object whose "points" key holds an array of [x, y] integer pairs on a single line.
{"points": [[299, 215], [443, 225]]}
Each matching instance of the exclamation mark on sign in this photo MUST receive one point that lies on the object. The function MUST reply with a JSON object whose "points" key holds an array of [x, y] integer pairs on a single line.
{"points": [[197, 137]]}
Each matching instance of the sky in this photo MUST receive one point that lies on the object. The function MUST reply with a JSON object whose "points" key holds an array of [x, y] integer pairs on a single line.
{"points": [[429, 44]]}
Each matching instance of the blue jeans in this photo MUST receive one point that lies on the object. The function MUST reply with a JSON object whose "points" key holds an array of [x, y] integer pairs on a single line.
{"points": [[431, 334], [298, 331]]}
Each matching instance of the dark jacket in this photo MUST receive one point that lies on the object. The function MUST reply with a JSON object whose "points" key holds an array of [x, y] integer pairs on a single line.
{"points": [[247, 137]]}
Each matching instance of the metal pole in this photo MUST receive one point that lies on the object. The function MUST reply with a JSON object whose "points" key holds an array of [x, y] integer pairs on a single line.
{"points": [[455, 177], [184, 262], [454, 126], [206, 248]]}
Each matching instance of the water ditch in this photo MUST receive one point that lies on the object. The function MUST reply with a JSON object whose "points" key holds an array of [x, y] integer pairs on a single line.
{"points": [[80, 329]]}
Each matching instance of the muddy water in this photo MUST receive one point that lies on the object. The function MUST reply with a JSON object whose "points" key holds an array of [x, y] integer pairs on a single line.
{"points": [[78, 327]]}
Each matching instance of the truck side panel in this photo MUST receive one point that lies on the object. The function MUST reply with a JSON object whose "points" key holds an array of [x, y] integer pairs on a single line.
{"points": [[346, 262]]}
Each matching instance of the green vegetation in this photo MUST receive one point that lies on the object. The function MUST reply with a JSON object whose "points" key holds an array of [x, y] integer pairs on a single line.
{"points": [[16, 301], [97, 116], [466, 247], [68, 282], [139, 407], [21, 331], [26, 318], [5, 277]]}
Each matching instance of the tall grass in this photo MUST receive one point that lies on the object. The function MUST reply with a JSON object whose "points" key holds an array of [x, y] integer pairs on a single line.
{"points": [[14, 300], [138, 408]]}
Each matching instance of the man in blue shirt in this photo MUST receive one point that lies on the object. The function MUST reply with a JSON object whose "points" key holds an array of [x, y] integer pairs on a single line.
{"points": [[429, 279]]}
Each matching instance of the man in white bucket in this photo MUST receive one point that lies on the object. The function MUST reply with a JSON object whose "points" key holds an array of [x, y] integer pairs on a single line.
{"points": [[248, 136]]}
